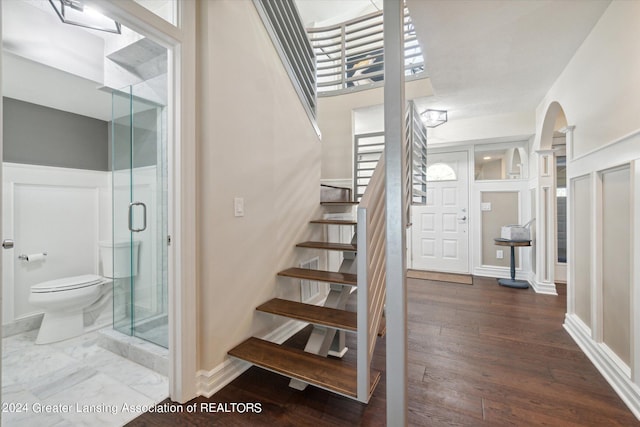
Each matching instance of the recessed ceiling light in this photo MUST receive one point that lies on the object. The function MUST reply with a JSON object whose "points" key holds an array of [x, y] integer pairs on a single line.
{"points": [[486, 158]]}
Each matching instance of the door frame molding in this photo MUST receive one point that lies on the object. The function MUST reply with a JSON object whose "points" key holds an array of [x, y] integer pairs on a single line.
{"points": [[180, 41]]}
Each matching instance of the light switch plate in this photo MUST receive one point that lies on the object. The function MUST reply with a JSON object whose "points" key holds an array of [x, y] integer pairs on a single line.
{"points": [[238, 206], [486, 206]]}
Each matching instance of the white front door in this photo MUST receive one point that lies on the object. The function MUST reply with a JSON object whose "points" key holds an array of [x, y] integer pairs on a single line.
{"points": [[440, 235]]}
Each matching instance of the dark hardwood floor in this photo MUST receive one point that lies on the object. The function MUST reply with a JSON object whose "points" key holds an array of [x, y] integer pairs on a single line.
{"points": [[479, 355]]}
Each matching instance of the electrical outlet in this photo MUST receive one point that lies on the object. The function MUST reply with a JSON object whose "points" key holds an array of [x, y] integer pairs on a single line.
{"points": [[238, 206], [499, 254]]}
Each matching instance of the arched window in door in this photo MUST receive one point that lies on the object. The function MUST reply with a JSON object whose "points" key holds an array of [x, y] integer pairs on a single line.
{"points": [[441, 172]]}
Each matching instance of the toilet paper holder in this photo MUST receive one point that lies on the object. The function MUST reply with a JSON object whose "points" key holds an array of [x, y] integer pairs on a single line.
{"points": [[25, 257]]}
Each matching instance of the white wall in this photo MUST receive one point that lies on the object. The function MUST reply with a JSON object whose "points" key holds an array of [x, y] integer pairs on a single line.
{"points": [[55, 44], [255, 142], [508, 125], [597, 88], [336, 124]]}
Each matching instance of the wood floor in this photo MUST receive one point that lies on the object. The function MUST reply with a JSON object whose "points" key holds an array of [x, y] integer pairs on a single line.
{"points": [[480, 355]]}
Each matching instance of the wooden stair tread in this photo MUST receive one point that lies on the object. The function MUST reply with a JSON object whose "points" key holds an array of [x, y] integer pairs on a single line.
{"points": [[325, 316], [320, 275], [334, 221], [329, 246], [329, 374], [340, 203]]}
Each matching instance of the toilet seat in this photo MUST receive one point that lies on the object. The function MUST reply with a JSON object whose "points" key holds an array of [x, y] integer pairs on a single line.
{"points": [[67, 283]]}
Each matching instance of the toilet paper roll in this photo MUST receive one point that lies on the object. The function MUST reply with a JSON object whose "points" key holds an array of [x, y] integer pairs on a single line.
{"points": [[35, 257]]}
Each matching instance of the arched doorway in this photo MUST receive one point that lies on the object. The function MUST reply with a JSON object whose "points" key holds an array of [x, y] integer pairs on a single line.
{"points": [[550, 242]]}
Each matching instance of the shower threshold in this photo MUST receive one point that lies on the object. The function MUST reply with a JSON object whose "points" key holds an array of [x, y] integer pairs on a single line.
{"points": [[135, 349]]}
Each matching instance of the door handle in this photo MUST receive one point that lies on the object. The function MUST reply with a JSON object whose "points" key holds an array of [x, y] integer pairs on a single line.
{"points": [[464, 218], [7, 244], [144, 217]]}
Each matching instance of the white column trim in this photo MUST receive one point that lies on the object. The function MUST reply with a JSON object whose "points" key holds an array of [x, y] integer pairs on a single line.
{"points": [[545, 223], [571, 289]]}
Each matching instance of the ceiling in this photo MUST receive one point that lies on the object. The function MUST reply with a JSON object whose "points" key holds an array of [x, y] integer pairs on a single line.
{"points": [[483, 56], [498, 56], [48, 63], [321, 13]]}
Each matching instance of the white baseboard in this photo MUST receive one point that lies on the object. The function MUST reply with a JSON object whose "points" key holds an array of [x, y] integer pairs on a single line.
{"points": [[490, 271], [498, 272], [615, 374], [19, 326], [544, 287], [504, 273], [210, 382]]}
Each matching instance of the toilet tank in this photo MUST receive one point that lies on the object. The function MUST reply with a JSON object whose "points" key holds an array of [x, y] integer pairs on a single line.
{"points": [[123, 255]]}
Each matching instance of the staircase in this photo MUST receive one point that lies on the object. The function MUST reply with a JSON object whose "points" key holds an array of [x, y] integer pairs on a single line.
{"points": [[320, 363]]}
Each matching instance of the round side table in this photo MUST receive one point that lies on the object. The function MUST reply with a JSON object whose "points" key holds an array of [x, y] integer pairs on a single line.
{"points": [[513, 283]]}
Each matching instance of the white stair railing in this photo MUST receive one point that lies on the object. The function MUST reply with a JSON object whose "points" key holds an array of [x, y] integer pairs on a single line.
{"points": [[371, 275], [350, 55], [415, 160], [284, 26]]}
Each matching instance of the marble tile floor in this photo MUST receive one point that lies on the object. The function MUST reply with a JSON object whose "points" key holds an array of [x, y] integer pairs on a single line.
{"points": [[73, 383]]}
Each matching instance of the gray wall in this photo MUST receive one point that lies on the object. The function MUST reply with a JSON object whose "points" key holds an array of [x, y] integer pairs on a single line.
{"points": [[582, 238], [38, 135], [504, 211], [616, 262]]}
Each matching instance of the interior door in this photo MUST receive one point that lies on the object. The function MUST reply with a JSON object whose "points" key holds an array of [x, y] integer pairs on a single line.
{"points": [[440, 232]]}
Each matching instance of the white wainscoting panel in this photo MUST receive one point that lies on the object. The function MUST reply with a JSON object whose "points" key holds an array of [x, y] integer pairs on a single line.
{"points": [[614, 288], [63, 212]]}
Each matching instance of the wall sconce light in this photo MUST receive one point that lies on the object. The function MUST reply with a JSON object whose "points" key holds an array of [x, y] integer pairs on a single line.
{"points": [[73, 12], [433, 118]]}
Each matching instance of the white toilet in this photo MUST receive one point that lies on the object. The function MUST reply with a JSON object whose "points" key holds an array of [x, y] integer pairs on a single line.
{"points": [[65, 300]]}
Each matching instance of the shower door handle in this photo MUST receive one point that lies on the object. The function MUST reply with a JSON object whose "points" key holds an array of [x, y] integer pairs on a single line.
{"points": [[144, 217]]}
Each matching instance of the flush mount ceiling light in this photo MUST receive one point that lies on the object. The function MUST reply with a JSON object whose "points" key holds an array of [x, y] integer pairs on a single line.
{"points": [[74, 12], [433, 118]]}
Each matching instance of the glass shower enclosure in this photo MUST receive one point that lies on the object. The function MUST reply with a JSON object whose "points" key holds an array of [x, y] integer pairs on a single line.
{"points": [[139, 191]]}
